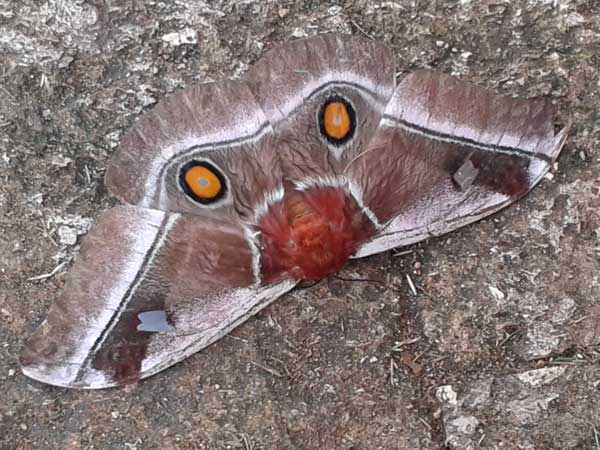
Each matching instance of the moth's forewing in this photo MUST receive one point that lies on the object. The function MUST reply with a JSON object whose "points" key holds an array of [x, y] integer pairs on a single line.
{"points": [[292, 83], [448, 153]]}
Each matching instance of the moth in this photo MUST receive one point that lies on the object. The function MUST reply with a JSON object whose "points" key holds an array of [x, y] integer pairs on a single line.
{"points": [[239, 189]]}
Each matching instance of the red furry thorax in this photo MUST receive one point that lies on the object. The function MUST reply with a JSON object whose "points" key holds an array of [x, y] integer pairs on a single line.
{"points": [[310, 234]]}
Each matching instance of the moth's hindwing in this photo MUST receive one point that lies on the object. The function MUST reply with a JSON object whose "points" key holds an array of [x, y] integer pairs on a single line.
{"points": [[148, 289]]}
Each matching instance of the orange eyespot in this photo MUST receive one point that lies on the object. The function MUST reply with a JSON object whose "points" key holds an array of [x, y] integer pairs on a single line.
{"points": [[336, 120], [202, 181]]}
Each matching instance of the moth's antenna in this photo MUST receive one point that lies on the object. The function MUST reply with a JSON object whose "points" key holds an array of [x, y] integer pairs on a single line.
{"points": [[360, 155], [364, 280], [307, 284]]}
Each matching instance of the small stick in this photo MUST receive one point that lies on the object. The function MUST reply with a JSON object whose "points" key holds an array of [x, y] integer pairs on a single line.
{"points": [[411, 284], [358, 27], [48, 275], [268, 369]]}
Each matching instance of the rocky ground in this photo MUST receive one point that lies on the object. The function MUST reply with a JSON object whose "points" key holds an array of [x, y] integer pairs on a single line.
{"points": [[486, 338]]}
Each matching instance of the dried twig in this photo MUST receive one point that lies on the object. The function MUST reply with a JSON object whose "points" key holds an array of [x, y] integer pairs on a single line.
{"points": [[267, 369], [359, 28], [398, 345], [411, 284], [48, 275]]}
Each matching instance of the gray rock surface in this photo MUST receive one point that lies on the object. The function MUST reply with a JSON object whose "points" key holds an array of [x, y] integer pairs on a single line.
{"points": [[551, 407], [497, 345]]}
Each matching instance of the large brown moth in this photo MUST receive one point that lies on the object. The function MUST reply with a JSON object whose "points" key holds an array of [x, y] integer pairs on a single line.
{"points": [[237, 190]]}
